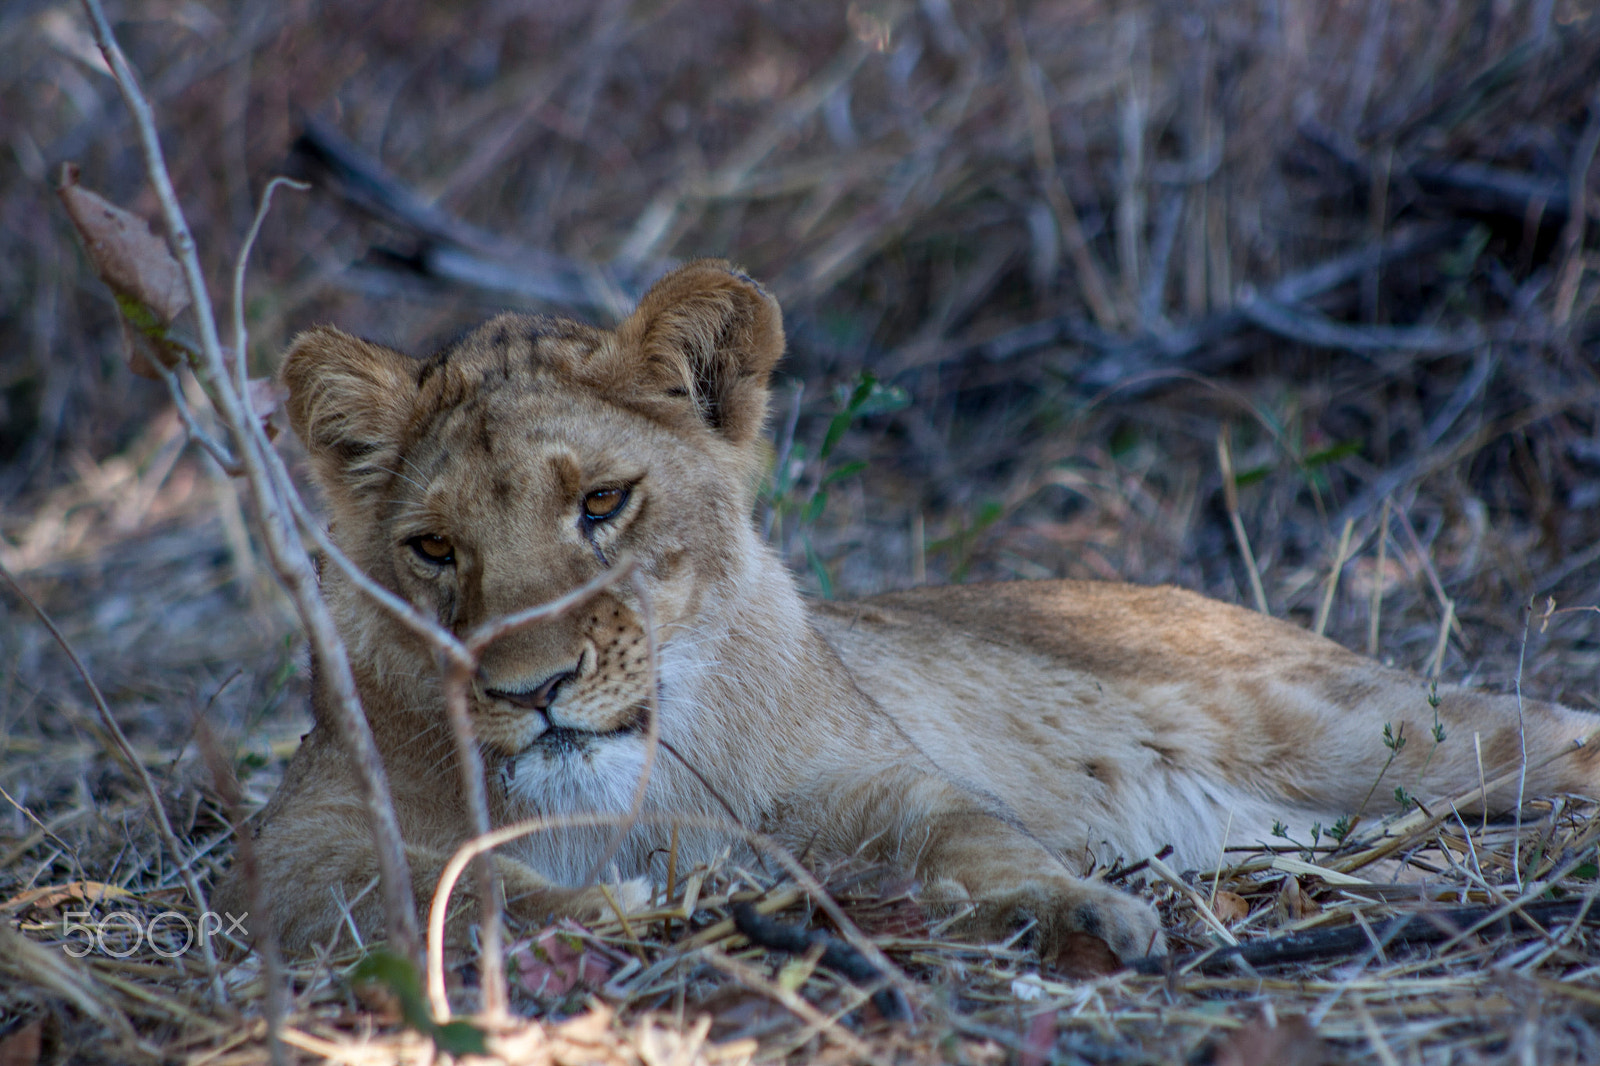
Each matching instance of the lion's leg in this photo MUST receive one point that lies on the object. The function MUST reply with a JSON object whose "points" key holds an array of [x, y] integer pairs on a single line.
{"points": [[970, 852], [1324, 734]]}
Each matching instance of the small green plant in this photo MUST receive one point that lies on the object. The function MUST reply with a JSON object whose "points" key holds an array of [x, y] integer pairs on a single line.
{"points": [[785, 491], [400, 978], [1395, 740], [1437, 732], [963, 541], [1281, 831]]}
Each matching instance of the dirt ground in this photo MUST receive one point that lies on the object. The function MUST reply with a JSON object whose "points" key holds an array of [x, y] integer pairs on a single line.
{"points": [[1233, 296]]}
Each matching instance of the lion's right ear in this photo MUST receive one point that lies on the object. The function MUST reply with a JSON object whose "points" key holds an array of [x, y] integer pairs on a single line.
{"points": [[349, 403]]}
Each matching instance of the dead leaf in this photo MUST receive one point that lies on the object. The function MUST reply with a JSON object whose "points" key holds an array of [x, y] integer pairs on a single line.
{"points": [[1293, 901], [1039, 1042], [50, 895], [267, 397], [22, 1047], [1083, 956], [560, 959], [144, 277], [1230, 907], [1289, 1043]]}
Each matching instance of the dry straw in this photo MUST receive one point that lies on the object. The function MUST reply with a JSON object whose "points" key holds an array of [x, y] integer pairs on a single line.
{"points": [[1365, 227]]}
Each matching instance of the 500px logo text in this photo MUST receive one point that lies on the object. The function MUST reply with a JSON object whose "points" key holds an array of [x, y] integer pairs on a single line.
{"points": [[121, 933]]}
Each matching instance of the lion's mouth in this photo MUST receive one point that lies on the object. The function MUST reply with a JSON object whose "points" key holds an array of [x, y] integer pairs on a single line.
{"points": [[560, 741]]}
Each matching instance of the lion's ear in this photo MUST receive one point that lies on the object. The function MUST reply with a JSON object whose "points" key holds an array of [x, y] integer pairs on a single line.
{"points": [[708, 333], [349, 403]]}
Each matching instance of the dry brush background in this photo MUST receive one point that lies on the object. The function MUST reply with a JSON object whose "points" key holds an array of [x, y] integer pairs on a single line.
{"points": [[1080, 243]]}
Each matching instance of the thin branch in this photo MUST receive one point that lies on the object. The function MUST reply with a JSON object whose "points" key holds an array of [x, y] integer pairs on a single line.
{"points": [[1426, 927], [1230, 496], [284, 550], [457, 666], [430, 630], [1522, 751], [213, 447], [1339, 557], [457, 676], [241, 360], [495, 628]]}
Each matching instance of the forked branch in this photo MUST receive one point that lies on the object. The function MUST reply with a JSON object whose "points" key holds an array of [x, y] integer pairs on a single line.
{"points": [[275, 520]]}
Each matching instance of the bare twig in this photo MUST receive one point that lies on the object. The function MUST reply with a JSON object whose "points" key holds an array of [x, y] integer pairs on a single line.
{"points": [[1305, 326], [1522, 748], [1572, 260], [1375, 610], [285, 552], [457, 665], [1096, 293], [797, 940], [266, 937], [494, 629], [1333, 578], [1196, 343], [1446, 620], [241, 351], [1426, 927], [1230, 496]]}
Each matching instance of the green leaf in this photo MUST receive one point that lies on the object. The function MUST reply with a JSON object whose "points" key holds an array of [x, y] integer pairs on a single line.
{"points": [[883, 400], [460, 1037], [1333, 453], [385, 968], [988, 515], [814, 507], [836, 428], [1251, 476], [868, 397], [847, 470], [824, 582]]}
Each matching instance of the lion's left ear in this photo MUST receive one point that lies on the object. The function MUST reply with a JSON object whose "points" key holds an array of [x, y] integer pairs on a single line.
{"points": [[711, 335]]}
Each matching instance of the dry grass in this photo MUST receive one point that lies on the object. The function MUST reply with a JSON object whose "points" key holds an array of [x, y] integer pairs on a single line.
{"points": [[1077, 235]]}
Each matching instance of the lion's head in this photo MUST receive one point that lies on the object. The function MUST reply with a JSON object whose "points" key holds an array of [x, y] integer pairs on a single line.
{"points": [[517, 464]]}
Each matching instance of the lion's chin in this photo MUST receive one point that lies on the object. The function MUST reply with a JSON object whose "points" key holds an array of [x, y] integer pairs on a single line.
{"points": [[570, 772], [567, 750], [562, 742]]}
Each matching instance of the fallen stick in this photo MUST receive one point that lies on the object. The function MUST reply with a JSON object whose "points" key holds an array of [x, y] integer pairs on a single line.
{"points": [[1407, 930], [1123, 358], [836, 955], [450, 249]]}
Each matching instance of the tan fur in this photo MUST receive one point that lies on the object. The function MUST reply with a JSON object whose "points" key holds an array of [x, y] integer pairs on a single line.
{"points": [[992, 740]]}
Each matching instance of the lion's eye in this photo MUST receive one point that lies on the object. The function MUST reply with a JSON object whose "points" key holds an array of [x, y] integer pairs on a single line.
{"points": [[434, 549], [602, 504]]}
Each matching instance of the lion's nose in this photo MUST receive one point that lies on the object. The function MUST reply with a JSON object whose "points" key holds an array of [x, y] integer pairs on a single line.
{"points": [[539, 698]]}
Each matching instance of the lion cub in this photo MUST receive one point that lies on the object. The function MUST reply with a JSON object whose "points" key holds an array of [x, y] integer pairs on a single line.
{"points": [[993, 741]]}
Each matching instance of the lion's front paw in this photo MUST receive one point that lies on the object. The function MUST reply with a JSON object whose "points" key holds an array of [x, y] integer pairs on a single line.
{"points": [[1059, 907], [633, 895], [531, 899]]}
